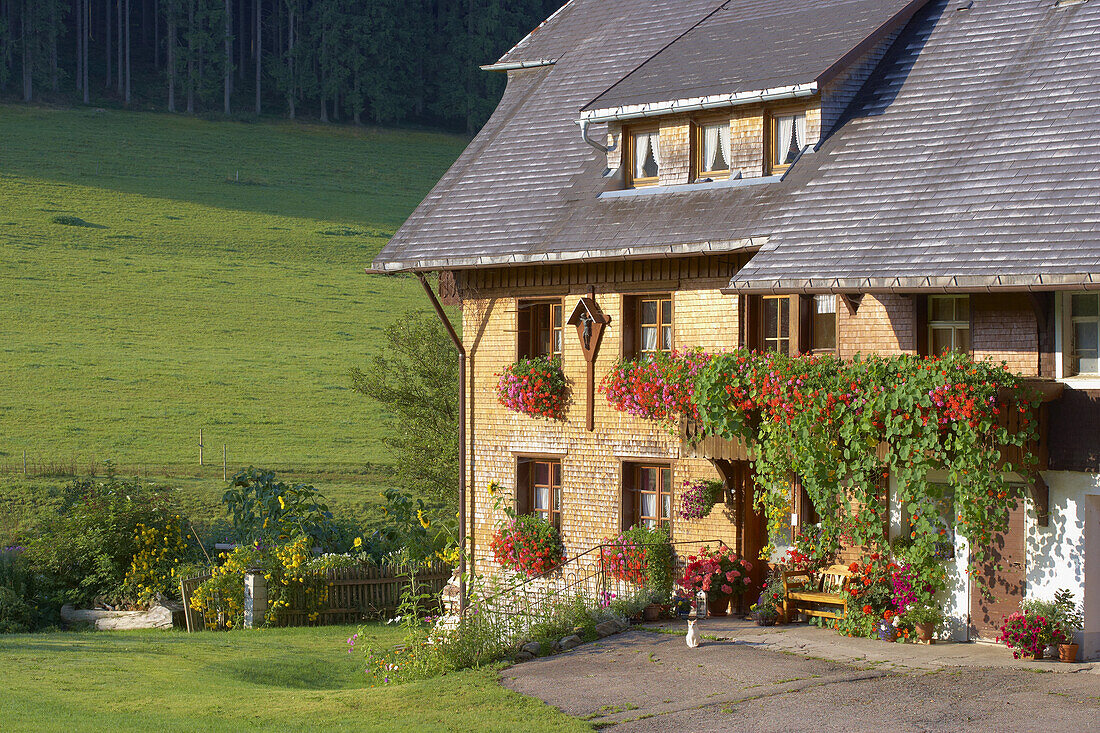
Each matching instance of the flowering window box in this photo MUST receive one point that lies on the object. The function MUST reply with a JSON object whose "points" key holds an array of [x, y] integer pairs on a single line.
{"points": [[536, 387]]}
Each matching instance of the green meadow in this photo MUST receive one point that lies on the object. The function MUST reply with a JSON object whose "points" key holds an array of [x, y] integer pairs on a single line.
{"points": [[162, 274]]}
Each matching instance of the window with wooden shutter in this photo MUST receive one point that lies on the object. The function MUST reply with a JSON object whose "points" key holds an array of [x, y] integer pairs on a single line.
{"points": [[949, 324], [647, 495], [538, 489], [539, 326], [823, 323], [647, 325], [775, 324], [1084, 337]]}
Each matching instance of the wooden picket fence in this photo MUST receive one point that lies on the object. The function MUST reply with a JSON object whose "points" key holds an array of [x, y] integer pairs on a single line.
{"points": [[351, 594]]}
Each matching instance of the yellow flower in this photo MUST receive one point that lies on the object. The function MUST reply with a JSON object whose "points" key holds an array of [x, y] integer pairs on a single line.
{"points": [[358, 542], [423, 520], [282, 504]]}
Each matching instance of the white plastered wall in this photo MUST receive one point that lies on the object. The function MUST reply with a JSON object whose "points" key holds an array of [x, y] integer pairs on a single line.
{"points": [[1066, 554]]}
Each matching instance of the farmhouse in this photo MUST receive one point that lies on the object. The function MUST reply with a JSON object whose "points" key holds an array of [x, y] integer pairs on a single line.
{"points": [[826, 176]]}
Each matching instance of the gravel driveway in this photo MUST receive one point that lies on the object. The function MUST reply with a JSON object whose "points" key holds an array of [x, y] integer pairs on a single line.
{"points": [[645, 681]]}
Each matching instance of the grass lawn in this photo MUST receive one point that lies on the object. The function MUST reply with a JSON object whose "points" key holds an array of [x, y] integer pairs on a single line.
{"points": [[163, 274], [277, 679]]}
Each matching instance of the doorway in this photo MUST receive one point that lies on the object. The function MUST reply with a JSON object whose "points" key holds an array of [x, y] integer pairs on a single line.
{"points": [[1004, 575], [752, 525]]}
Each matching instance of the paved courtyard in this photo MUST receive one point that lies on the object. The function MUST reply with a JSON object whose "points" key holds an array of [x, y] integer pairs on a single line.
{"points": [[797, 678]]}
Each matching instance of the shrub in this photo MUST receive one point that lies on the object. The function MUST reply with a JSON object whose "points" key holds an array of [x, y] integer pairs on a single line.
{"points": [[535, 387], [16, 615], [1067, 617], [528, 544], [154, 568], [720, 571], [87, 550], [870, 596]]}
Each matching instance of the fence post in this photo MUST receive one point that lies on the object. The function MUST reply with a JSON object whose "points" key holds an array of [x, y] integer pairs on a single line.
{"points": [[24, 461], [200, 447], [224, 475]]}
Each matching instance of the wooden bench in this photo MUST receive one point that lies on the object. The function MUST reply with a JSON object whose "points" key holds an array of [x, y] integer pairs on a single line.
{"points": [[802, 593]]}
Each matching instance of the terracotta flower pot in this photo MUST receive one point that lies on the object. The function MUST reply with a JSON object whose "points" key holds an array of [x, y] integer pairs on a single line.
{"points": [[1034, 657], [717, 604], [1067, 652], [925, 632]]}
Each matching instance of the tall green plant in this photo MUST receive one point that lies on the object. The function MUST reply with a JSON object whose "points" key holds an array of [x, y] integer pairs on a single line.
{"points": [[416, 381], [263, 509]]}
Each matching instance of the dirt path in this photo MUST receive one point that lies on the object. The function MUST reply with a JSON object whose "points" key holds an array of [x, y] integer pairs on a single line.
{"points": [[644, 681]]}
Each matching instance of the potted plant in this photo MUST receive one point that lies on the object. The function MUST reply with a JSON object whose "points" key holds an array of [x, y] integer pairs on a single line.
{"points": [[887, 627], [697, 498], [1067, 620], [925, 619], [1026, 633], [721, 574], [768, 608]]}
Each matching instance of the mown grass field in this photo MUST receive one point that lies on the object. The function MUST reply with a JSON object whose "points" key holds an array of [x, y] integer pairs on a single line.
{"points": [[271, 679], [217, 282]]}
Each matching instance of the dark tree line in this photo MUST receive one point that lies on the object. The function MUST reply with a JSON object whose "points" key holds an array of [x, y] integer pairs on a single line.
{"points": [[386, 61]]}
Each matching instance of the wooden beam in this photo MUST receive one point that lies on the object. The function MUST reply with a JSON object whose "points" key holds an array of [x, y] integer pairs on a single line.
{"points": [[1040, 495], [852, 301]]}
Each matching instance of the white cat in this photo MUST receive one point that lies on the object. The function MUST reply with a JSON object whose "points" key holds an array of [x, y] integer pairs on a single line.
{"points": [[692, 635]]}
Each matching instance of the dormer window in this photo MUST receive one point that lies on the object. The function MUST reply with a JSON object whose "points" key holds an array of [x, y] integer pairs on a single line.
{"points": [[643, 154], [712, 149], [787, 138]]}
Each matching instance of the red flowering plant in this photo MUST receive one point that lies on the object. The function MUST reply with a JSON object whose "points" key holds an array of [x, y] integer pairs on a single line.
{"points": [[657, 387], [870, 595], [813, 549], [716, 572], [642, 556], [535, 387], [1029, 633], [527, 544]]}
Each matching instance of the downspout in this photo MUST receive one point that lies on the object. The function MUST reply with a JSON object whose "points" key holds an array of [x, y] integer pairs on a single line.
{"points": [[461, 441], [584, 136]]}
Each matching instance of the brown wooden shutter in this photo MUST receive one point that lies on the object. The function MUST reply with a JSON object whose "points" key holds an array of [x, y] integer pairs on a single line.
{"points": [[883, 486], [630, 326], [804, 308], [628, 497], [920, 324], [750, 322], [796, 506], [523, 330], [523, 487]]}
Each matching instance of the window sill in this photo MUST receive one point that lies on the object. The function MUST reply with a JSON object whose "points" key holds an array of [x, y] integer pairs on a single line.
{"points": [[689, 187], [1083, 381]]}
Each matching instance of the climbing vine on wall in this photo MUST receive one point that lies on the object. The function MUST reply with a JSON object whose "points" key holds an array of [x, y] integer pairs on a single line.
{"points": [[841, 426]]}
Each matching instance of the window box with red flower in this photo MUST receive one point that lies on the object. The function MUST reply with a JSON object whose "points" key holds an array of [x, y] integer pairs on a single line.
{"points": [[528, 544], [536, 387]]}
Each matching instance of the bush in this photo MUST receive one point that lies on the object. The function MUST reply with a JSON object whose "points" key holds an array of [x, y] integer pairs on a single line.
{"points": [[16, 615], [87, 551]]}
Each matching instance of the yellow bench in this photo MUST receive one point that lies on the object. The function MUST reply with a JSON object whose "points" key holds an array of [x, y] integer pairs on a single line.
{"points": [[802, 593]]}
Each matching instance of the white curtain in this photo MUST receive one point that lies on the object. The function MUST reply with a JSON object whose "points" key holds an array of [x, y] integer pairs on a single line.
{"points": [[783, 128], [542, 498], [800, 130], [649, 505], [710, 147], [649, 338], [825, 303], [641, 151], [724, 144]]}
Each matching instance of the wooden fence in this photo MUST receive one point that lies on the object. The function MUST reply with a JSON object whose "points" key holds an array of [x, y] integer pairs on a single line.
{"points": [[350, 595]]}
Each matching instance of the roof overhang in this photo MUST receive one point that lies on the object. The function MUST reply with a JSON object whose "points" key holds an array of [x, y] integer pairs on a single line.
{"points": [[695, 104], [928, 284], [730, 246]]}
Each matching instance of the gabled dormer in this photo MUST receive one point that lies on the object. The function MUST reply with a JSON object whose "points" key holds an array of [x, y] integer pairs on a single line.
{"points": [[717, 106]]}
